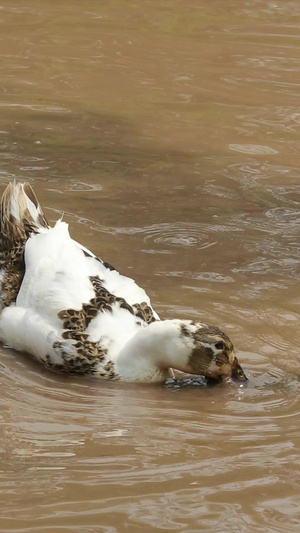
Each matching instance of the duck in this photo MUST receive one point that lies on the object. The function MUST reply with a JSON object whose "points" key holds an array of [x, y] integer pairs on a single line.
{"points": [[76, 314]]}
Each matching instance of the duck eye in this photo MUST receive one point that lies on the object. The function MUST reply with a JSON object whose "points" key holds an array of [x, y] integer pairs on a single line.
{"points": [[219, 345]]}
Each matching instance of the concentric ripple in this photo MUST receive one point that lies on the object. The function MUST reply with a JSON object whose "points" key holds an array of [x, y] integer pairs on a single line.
{"points": [[177, 235]]}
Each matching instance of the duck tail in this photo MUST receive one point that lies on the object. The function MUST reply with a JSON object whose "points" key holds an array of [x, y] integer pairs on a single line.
{"points": [[20, 212]]}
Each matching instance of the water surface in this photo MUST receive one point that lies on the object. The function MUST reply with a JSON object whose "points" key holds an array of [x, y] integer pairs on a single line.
{"points": [[168, 134]]}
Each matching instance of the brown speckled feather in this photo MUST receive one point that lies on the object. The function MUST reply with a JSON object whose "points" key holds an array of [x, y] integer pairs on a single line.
{"points": [[18, 219], [91, 355]]}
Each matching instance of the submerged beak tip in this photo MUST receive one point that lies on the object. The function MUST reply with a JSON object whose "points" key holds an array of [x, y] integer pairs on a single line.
{"points": [[238, 373]]}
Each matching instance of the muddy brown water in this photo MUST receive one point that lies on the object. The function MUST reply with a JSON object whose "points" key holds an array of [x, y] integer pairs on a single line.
{"points": [[168, 133]]}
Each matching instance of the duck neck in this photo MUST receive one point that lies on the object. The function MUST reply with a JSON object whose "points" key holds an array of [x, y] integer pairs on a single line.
{"points": [[155, 349]]}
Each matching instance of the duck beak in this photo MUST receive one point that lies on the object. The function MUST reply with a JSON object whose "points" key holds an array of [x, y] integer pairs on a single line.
{"points": [[237, 372]]}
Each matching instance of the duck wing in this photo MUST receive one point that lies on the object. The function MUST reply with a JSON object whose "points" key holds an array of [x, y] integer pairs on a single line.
{"points": [[122, 286]]}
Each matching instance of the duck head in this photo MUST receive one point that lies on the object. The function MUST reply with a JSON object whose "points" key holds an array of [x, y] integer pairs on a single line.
{"points": [[212, 354], [191, 347]]}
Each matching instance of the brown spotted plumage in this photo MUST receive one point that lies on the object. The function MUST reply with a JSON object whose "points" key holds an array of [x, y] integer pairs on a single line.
{"points": [[144, 311], [15, 229], [75, 323], [12, 266]]}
